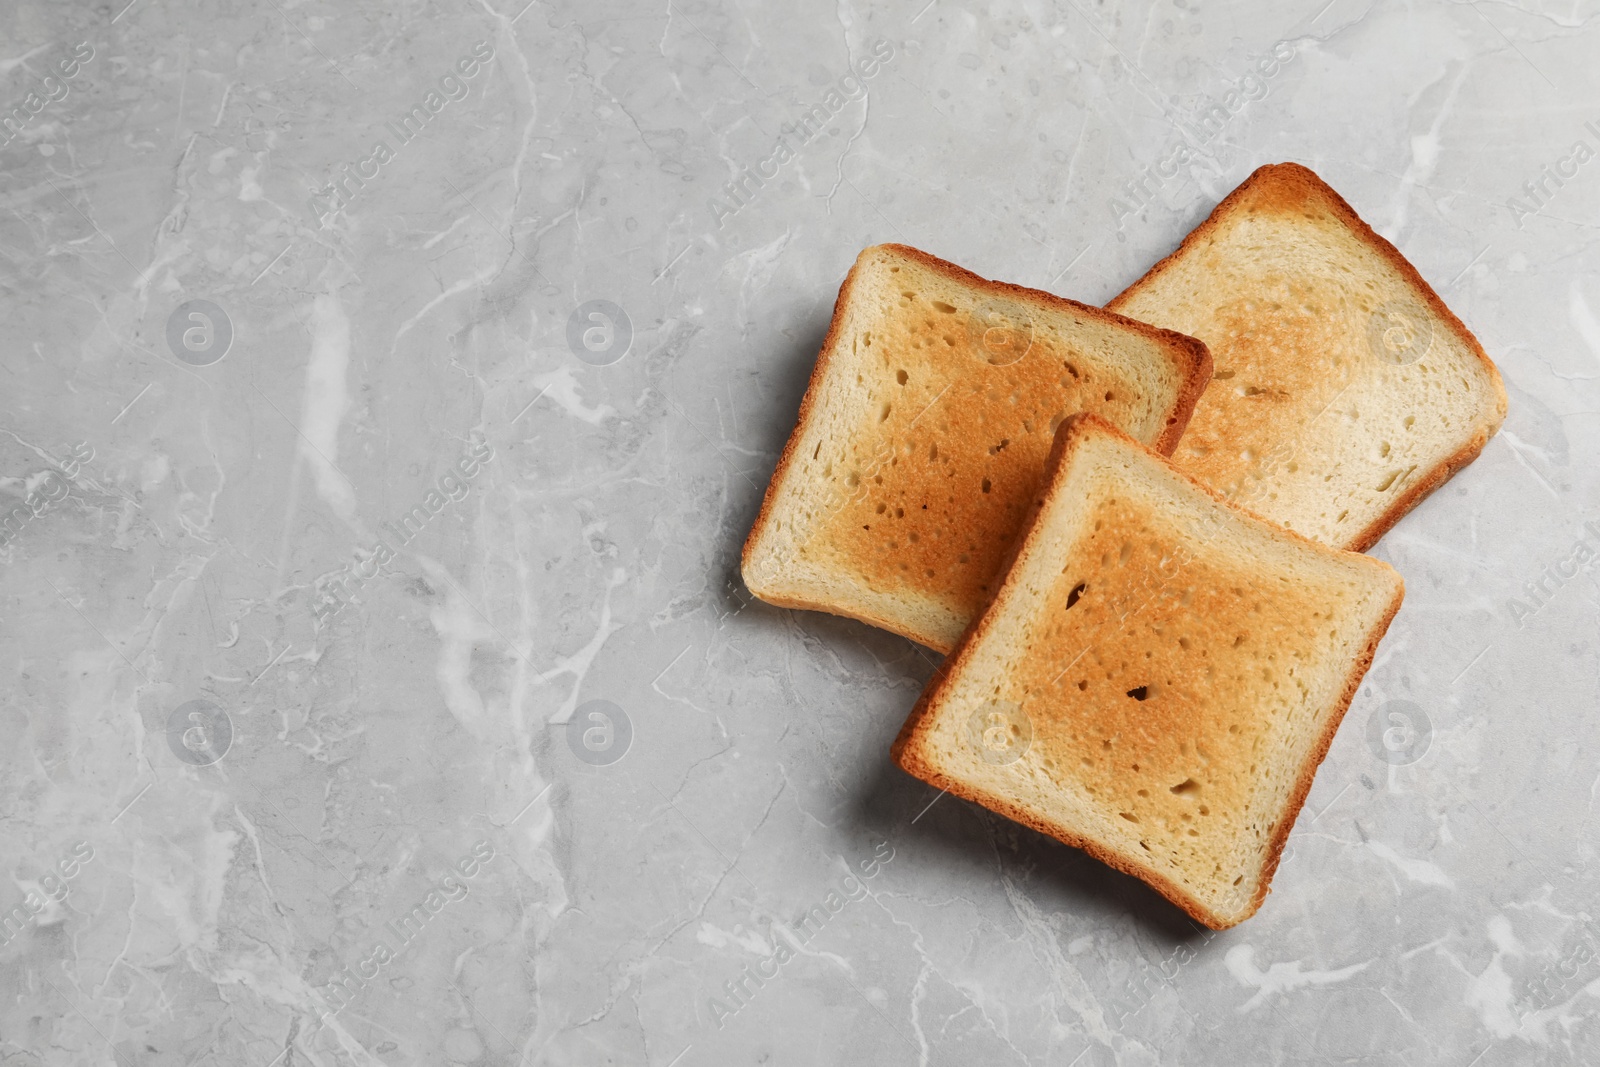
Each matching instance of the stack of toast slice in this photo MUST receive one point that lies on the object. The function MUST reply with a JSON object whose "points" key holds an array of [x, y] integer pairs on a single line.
{"points": [[1151, 654]]}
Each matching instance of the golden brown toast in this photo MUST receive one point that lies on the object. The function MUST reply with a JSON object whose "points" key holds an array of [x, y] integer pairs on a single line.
{"points": [[1345, 391], [924, 432], [1158, 677]]}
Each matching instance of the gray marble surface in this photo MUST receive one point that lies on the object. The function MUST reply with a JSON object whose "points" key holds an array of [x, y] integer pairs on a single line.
{"points": [[345, 510]]}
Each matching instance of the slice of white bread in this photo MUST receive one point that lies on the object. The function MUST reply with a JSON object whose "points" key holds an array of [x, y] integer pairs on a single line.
{"points": [[923, 436], [1344, 391], [1158, 677]]}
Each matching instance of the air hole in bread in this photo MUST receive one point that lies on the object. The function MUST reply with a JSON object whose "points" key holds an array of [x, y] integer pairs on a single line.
{"points": [[1108, 394], [948, 309], [1077, 591], [987, 485], [1186, 787], [997, 449], [883, 416], [1071, 369], [1130, 816], [1223, 375], [1139, 692], [900, 376], [1383, 486]]}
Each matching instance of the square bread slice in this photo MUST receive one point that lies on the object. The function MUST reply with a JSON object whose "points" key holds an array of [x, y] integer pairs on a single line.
{"points": [[923, 436], [1158, 677], [1345, 391]]}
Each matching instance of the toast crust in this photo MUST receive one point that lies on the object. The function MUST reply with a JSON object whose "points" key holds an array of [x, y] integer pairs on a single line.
{"points": [[1195, 369], [907, 750], [1286, 187]]}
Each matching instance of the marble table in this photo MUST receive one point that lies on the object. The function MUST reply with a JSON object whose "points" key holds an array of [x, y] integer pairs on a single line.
{"points": [[388, 390]]}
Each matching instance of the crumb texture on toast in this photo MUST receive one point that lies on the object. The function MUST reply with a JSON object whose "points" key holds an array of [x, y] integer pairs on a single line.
{"points": [[924, 437], [1343, 390], [1157, 680]]}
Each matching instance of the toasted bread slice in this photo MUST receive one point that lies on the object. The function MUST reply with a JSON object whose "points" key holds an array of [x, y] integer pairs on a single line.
{"points": [[1157, 678], [1345, 391], [924, 432]]}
